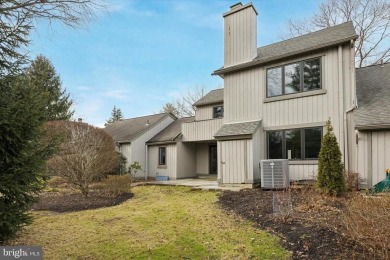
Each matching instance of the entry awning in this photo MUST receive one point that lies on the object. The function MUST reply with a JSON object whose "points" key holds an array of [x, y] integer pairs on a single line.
{"points": [[234, 131]]}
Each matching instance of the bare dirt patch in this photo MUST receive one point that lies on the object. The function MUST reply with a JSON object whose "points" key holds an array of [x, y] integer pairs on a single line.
{"points": [[314, 229], [75, 201]]}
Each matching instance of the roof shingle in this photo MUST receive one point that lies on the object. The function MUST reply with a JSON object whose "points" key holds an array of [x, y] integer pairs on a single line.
{"points": [[128, 129], [170, 132], [298, 45], [373, 95], [237, 129], [213, 97]]}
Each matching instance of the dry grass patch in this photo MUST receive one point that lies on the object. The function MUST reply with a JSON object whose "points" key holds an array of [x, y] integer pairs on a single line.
{"points": [[157, 223]]}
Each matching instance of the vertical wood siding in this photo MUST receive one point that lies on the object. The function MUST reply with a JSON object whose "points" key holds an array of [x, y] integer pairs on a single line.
{"points": [[186, 160], [202, 159], [171, 161], [303, 172], [138, 149], [236, 161], [240, 37], [125, 149], [245, 91], [204, 113], [201, 130]]}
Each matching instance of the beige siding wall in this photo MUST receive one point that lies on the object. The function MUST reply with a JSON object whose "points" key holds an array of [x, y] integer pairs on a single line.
{"points": [[240, 37], [303, 171], [257, 144], [245, 93], [374, 155], [201, 130], [138, 149], [236, 161], [186, 160], [205, 112], [202, 159], [170, 169], [125, 149]]}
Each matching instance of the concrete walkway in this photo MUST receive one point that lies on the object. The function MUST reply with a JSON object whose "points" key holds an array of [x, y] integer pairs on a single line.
{"points": [[198, 184]]}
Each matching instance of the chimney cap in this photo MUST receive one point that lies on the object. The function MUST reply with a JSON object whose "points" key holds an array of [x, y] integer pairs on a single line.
{"points": [[235, 5]]}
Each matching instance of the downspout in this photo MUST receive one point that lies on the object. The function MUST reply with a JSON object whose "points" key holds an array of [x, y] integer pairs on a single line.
{"points": [[343, 125]]}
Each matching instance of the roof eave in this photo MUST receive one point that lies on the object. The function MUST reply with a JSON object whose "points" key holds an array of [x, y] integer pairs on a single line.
{"points": [[372, 127], [254, 63], [233, 137]]}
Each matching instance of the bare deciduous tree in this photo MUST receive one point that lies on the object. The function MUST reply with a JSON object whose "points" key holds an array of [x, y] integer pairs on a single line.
{"points": [[86, 153], [183, 106], [371, 19], [17, 19]]}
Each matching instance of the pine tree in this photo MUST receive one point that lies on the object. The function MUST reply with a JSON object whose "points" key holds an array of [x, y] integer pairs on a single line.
{"points": [[42, 76], [330, 165], [116, 115], [23, 152]]}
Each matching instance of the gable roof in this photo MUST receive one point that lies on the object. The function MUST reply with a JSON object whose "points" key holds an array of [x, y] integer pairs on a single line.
{"points": [[172, 131], [128, 129], [324, 38], [373, 96], [237, 129], [213, 97]]}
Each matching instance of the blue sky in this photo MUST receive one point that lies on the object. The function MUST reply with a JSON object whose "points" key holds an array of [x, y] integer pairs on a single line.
{"points": [[143, 54]]}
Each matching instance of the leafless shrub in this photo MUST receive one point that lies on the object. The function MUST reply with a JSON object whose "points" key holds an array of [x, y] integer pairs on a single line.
{"points": [[366, 220], [114, 185], [351, 180], [86, 154]]}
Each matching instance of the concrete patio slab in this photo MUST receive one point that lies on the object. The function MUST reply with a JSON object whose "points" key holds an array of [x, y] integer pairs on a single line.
{"points": [[199, 184]]}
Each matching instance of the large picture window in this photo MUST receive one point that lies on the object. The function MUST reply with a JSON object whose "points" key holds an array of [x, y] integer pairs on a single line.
{"points": [[294, 78], [294, 144], [162, 156]]}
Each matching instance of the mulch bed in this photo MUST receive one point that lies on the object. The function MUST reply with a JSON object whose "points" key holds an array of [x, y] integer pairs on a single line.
{"points": [[311, 232], [75, 201]]}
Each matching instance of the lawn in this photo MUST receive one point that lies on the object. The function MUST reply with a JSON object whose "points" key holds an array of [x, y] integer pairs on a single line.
{"points": [[157, 223]]}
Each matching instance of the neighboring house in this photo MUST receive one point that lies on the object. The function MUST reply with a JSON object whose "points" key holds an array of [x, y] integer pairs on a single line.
{"points": [[168, 156], [372, 121], [131, 135], [277, 98]]}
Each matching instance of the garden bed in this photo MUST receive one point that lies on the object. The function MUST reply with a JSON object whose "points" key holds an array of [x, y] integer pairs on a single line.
{"points": [[314, 229]]}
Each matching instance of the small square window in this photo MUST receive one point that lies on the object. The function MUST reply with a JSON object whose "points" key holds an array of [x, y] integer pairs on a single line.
{"points": [[218, 112], [162, 156]]}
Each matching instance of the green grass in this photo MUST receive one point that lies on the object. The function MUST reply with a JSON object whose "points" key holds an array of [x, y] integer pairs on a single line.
{"points": [[157, 223]]}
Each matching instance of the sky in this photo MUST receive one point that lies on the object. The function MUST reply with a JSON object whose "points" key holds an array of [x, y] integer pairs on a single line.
{"points": [[140, 55]]}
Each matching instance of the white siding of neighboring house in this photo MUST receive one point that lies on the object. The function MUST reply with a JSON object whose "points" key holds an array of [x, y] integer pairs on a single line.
{"points": [[373, 155], [138, 147], [170, 169], [202, 158], [245, 93], [186, 160]]}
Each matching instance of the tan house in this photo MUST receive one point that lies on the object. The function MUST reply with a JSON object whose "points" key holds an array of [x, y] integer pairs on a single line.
{"points": [[274, 105]]}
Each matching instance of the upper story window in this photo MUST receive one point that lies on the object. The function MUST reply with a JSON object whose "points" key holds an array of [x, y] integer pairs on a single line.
{"points": [[293, 78], [218, 112], [294, 144]]}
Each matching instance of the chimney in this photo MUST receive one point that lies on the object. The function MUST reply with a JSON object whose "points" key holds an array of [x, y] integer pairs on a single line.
{"points": [[240, 34]]}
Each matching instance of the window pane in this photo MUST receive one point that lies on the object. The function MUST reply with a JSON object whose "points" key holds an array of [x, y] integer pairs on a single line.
{"points": [[161, 155], [274, 82], [218, 112], [312, 74], [275, 145], [313, 138], [293, 144], [292, 78]]}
